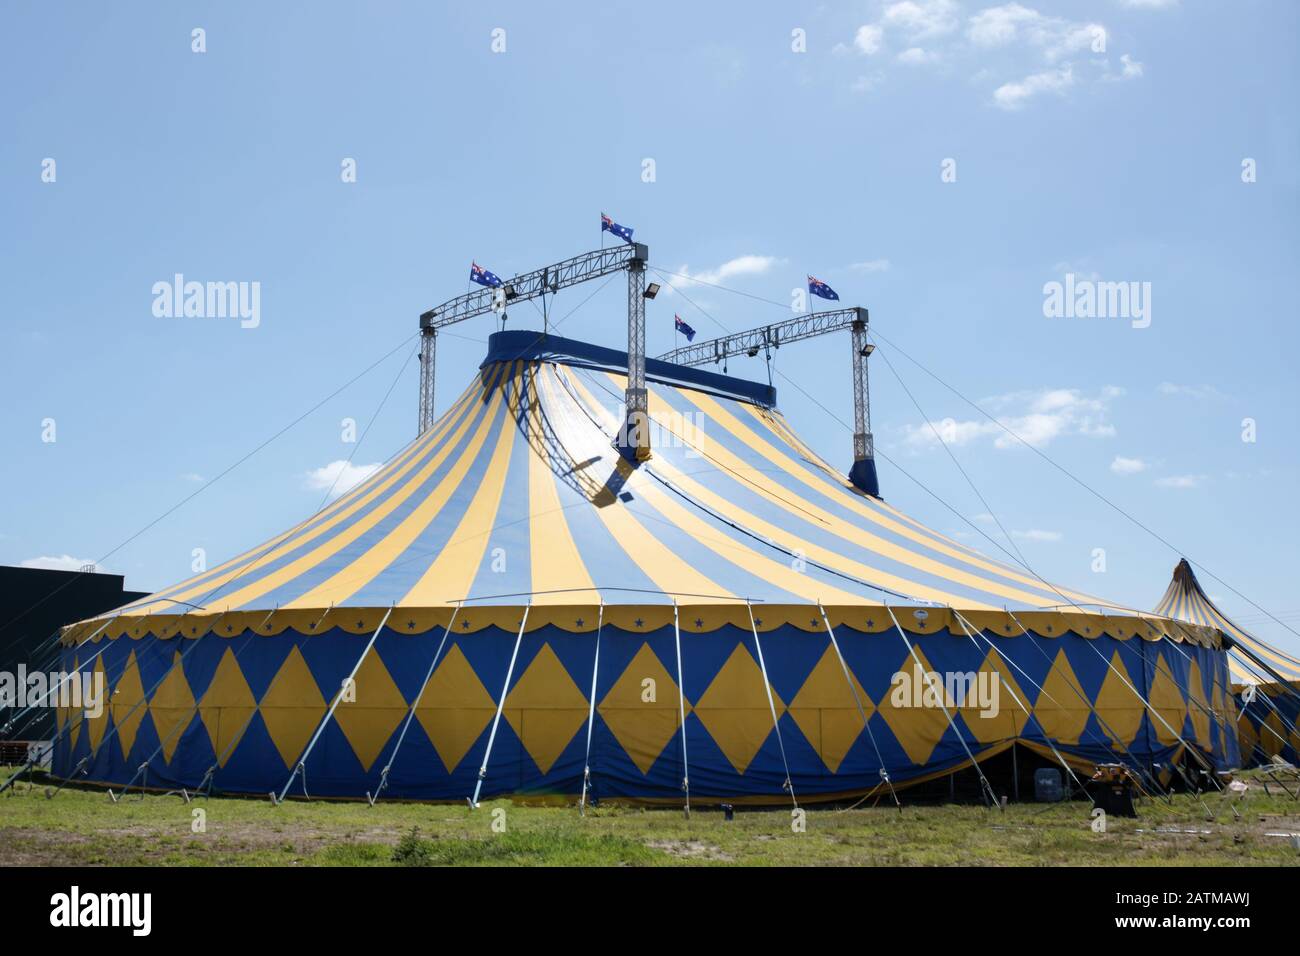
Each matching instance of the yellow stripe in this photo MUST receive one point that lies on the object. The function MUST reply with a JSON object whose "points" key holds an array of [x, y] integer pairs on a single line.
{"points": [[554, 558], [777, 423], [364, 569], [363, 524], [202, 583], [715, 411], [762, 567], [814, 552], [451, 575], [790, 500], [283, 544], [660, 564]]}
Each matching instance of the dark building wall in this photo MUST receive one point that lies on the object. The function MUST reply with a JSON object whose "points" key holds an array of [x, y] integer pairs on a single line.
{"points": [[34, 604]]}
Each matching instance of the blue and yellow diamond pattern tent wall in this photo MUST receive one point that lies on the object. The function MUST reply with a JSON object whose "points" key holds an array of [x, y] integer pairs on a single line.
{"points": [[248, 706], [516, 499], [1270, 717]]}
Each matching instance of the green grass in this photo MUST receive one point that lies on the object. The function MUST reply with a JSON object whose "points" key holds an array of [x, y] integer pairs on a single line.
{"points": [[84, 827]]}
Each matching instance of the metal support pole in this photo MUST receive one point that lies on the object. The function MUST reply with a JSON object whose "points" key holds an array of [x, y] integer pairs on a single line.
{"points": [[636, 440], [501, 703], [771, 703], [681, 708], [415, 704], [428, 352], [348, 683], [591, 713], [866, 724], [863, 472]]}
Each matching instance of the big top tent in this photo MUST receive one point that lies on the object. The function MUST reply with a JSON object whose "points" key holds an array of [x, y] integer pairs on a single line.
{"points": [[511, 606]]}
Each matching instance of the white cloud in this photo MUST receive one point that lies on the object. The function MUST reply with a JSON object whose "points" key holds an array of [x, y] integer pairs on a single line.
{"points": [[1037, 534], [747, 265], [921, 18], [997, 26], [865, 84], [1013, 96], [193, 476], [1190, 391], [915, 56], [1036, 417], [340, 476], [868, 38], [998, 42], [1049, 37], [1128, 466], [64, 562], [1180, 481], [871, 265]]}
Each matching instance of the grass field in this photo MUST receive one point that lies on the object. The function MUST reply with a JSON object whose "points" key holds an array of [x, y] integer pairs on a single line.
{"points": [[84, 827]]}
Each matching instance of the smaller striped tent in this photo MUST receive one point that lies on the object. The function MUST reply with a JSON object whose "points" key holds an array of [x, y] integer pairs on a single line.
{"points": [[1267, 681]]}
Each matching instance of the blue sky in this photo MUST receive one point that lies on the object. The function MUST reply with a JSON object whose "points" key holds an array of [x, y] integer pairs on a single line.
{"points": [[1117, 164]]}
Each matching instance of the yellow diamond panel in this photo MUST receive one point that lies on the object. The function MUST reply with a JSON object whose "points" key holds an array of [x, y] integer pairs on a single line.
{"points": [[292, 707], [642, 710], [1117, 704], [95, 726], [227, 707], [127, 714], [368, 721], [1166, 701], [60, 695], [734, 709], [1198, 708], [64, 714], [546, 708], [826, 711], [1221, 712], [172, 707], [455, 708], [1272, 735], [994, 705], [916, 720], [1246, 739], [1062, 708]]}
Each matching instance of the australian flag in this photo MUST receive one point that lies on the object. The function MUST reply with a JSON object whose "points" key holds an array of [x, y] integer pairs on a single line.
{"points": [[609, 225], [819, 288], [683, 328], [480, 275]]}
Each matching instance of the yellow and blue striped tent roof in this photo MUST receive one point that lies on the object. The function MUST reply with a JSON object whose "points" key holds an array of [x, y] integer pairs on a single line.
{"points": [[517, 497], [1185, 600]]}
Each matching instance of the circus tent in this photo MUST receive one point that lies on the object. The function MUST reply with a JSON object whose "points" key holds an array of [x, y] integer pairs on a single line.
{"points": [[1267, 679], [510, 606]]}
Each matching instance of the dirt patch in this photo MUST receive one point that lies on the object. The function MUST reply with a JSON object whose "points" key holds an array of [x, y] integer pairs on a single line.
{"points": [[691, 850]]}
